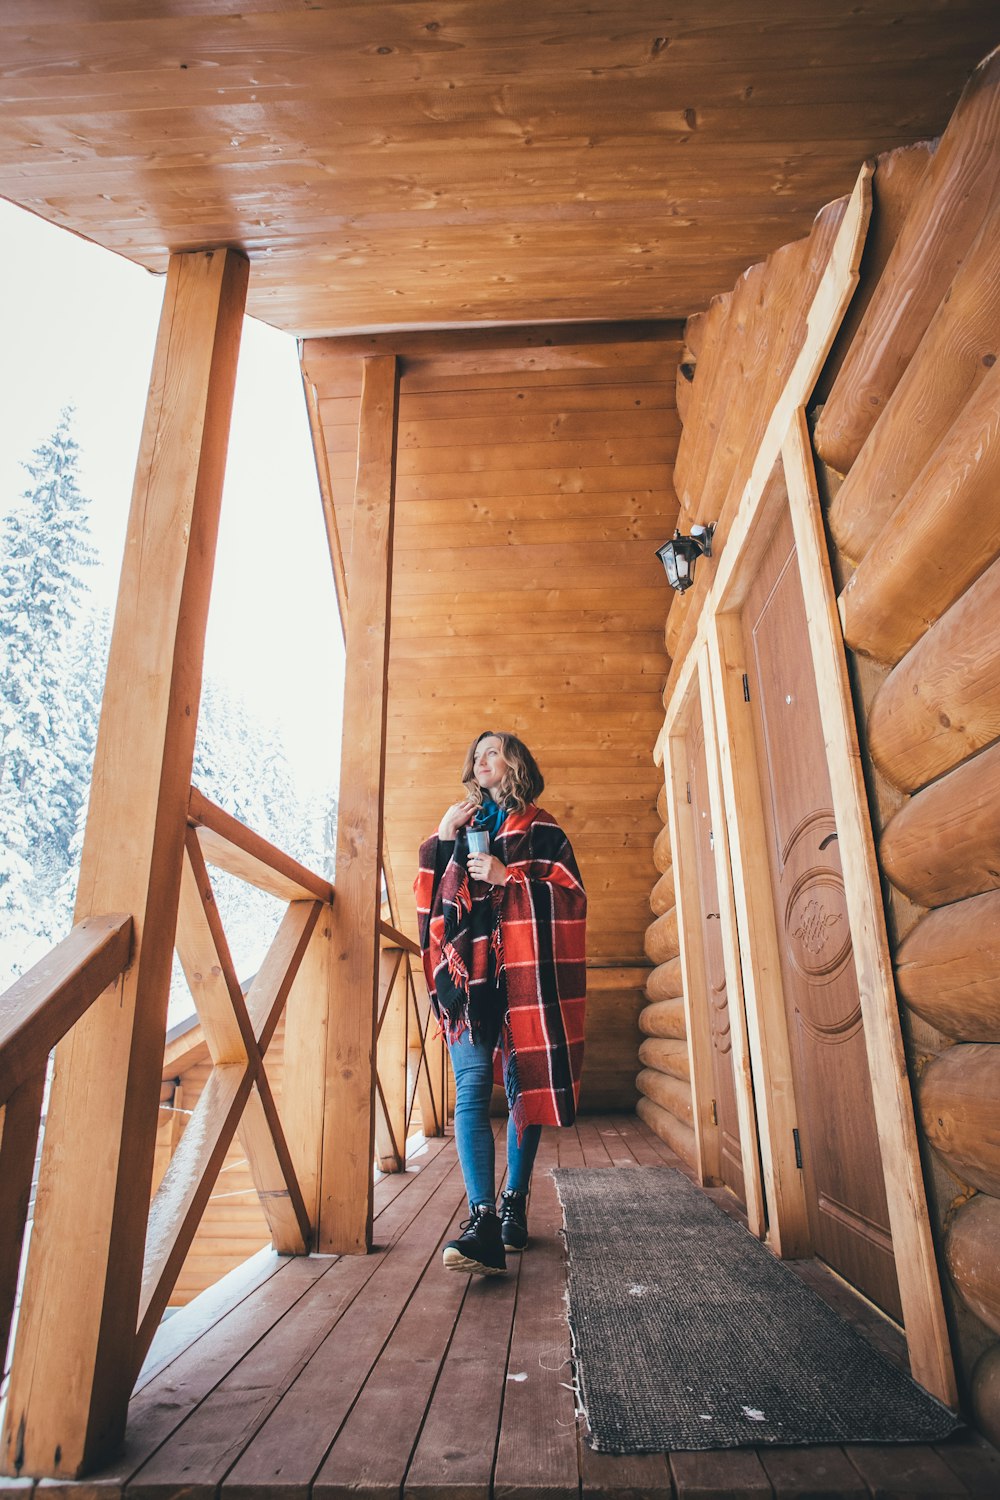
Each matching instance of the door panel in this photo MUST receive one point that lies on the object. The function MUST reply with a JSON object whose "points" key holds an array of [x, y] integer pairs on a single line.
{"points": [[841, 1162], [731, 1156]]}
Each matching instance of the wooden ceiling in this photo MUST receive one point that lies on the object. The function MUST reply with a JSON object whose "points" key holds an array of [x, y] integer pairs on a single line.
{"points": [[451, 162]]}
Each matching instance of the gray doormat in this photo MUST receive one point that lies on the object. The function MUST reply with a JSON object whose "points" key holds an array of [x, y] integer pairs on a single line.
{"points": [[688, 1334]]}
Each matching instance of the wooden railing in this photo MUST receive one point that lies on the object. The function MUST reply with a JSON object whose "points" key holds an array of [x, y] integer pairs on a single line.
{"points": [[237, 1099], [36, 1013], [410, 1062]]}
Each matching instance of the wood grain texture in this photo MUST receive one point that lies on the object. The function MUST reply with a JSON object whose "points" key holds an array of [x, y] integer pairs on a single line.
{"points": [[945, 217], [895, 183], [664, 1018], [345, 1214], [906, 1194], [563, 556], [672, 1131], [941, 703], [40, 1007], [557, 165], [916, 571], [668, 1091], [143, 764], [961, 344], [20, 1118], [971, 1251], [666, 981], [661, 941], [666, 1056], [959, 1101], [948, 968], [944, 844]]}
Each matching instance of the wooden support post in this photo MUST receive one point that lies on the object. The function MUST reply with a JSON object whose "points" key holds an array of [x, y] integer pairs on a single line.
{"points": [[349, 1111], [74, 1363]]}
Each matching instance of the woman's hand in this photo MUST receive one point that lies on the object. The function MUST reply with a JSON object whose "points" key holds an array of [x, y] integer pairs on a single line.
{"points": [[487, 867], [455, 818]]}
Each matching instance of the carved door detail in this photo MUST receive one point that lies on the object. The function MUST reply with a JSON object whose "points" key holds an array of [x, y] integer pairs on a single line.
{"points": [[838, 1137], [731, 1157]]}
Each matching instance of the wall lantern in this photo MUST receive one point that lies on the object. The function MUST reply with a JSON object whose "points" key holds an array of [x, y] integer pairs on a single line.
{"points": [[679, 555]]}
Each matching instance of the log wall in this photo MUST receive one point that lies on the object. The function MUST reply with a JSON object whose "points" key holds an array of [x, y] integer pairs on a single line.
{"points": [[906, 421], [907, 442]]}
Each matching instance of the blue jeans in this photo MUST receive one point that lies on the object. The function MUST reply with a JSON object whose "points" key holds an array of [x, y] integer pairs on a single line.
{"points": [[473, 1066]]}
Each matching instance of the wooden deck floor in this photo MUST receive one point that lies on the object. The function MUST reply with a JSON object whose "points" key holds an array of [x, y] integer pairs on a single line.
{"points": [[384, 1376]]}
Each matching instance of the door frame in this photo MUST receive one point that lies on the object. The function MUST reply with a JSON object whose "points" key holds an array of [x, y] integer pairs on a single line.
{"points": [[687, 896], [717, 653]]}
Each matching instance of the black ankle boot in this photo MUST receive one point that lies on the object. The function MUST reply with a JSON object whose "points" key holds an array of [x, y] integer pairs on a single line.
{"points": [[514, 1220], [479, 1248]]}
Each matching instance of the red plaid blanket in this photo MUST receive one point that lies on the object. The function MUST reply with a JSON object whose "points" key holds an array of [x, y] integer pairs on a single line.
{"points": [[535, 926]]}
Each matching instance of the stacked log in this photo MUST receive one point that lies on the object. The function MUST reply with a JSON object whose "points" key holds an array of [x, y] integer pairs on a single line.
{"points": [[948, 969], [664, 1081], [912, 420], [754, 333], [957, 190]]}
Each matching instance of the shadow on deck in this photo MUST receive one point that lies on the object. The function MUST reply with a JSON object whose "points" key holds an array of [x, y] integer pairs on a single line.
{"points": [[385, 1376]]}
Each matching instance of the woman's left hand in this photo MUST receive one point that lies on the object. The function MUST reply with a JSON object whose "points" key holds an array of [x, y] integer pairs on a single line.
{"points": [[487, 867]]}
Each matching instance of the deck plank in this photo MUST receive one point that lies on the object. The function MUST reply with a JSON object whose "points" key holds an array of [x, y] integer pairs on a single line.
{"points": [[536, 1453], [384, 1375], [595, 1152], [171, 1396], [289, 1448], [894, 1471], [632, 1476], [975, 1462], [455, 1453], [719, 1475], [634, 1140], [200, 1453], [815, 1473], [373, 1447]]}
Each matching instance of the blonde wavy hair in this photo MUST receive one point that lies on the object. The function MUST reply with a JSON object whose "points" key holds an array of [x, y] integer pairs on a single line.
{"points": [[522, 782]]}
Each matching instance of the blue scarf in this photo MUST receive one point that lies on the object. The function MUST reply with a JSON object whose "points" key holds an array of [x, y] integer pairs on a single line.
{"points": [[490, 816]]}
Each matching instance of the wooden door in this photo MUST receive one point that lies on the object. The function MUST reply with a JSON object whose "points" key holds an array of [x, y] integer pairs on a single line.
{"points": [[838, 1139], [730, 1153]]}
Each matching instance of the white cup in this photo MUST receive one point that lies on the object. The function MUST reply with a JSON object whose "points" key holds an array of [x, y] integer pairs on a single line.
{"points": [[479, 841]]}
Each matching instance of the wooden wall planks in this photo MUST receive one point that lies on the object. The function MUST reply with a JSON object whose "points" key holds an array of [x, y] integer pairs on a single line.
{"points": [[526, 596], [551, 162]]}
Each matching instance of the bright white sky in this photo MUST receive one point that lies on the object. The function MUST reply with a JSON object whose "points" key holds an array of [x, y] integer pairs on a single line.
{"points": [[77, 327]]}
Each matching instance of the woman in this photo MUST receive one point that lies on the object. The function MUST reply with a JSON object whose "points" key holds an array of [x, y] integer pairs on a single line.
{"points": [[503, 940]]}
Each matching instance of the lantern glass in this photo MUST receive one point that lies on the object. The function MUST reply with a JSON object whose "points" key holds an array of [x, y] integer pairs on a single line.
{"points": [[679, 554]]}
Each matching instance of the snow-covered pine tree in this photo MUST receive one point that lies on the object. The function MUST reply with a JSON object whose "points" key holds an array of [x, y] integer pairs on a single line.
{"points": [[44, 770]]}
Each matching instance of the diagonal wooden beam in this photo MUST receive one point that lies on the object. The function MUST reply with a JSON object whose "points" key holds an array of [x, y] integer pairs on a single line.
{"points": [[430, 1088], [273, 1171], [182, 1197], [208, 965], [234, 1036], [390, 1073], [268, 994]]}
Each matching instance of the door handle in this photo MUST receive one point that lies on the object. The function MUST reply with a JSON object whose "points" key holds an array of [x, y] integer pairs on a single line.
{"points": [[711, 915], [828, 840]]}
